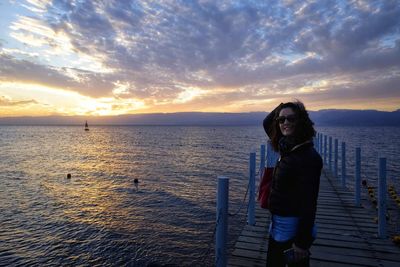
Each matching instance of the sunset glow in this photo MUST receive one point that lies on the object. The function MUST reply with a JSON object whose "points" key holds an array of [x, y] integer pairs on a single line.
{"points": [[127, 57]]}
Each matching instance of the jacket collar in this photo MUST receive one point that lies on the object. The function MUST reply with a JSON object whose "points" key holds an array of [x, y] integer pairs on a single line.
{"points": [[288, 144], [300, 145]]}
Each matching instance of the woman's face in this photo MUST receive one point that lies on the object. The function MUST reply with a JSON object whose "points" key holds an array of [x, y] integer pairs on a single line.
{"points": [[287, 121]]}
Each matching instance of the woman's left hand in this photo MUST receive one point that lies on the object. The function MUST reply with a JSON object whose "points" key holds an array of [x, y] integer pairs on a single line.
{"points": [[300, 253]]}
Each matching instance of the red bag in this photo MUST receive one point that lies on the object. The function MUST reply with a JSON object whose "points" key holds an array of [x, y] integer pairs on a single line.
{"points": [[264, 189]]}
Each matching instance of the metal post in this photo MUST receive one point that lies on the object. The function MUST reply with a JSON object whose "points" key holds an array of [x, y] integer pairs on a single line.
{"points": [[262, 157], [343, 164], [325, 147], [382, 198], [321, 140], [221, 237], [357, 183], [320, 144], [314, 140], [330, 153], [252, 174], [272, 156], [336, 156]]}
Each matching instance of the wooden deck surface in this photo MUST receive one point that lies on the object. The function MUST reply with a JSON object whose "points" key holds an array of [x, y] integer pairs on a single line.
{"points": [[347, 235]]}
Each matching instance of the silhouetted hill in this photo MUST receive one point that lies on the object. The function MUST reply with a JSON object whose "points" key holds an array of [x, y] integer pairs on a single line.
{"points": [[333, 117], [330, 117]]}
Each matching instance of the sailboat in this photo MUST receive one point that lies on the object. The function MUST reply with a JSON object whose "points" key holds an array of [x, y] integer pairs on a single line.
{"points": [[86, 126]]}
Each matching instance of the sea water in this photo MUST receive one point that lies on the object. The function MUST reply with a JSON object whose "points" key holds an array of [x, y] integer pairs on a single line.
{"points": [[99, 218]]}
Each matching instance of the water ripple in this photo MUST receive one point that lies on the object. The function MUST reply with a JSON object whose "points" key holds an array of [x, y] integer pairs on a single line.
{"points": [[98, 218]]}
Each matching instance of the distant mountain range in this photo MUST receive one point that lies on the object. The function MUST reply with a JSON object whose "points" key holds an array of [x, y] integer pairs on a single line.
{"points": [[331, 117], [338, 117]]}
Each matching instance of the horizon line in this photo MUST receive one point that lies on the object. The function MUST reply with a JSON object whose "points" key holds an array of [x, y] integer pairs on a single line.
{"points": [[181, 112]]}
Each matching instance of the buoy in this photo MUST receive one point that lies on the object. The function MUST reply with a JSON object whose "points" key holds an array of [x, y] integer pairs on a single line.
{"points": [[68, 176], [136, 182]]}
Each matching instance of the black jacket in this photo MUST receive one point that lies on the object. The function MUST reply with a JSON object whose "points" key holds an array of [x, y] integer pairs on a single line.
{"points": [[295, 187]]}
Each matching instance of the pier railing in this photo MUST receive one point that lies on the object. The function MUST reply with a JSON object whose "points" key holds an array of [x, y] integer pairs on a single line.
{"points": [[267, 158], [321, 141], [329, 152]]}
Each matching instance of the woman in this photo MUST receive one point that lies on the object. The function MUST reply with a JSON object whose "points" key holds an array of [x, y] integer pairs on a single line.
{"points": [[295, 185]]}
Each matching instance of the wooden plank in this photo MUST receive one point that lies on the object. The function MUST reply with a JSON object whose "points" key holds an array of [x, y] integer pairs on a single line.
{"points": [[343, 259], [248, 239], [243, 262], [382, 244], [346, 218], [254, 228], [262, 246], [347, 235], [245, 253], [367, 252], [346, 228], [348, 259], [323, 263]]}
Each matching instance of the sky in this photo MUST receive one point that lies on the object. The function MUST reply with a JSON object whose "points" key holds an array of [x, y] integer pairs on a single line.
{"points": [[111, 57]]}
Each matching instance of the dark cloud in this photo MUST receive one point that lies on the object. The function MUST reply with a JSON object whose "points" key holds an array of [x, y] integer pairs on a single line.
{"points": [[91, 84], [12, 69], [157, 45]]}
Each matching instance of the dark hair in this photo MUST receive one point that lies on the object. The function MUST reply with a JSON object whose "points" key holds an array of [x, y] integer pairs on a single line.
{"points": [[304, 129]]}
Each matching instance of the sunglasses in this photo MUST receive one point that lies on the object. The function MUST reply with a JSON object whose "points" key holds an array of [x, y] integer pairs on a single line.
{"points": [[290, 118]]}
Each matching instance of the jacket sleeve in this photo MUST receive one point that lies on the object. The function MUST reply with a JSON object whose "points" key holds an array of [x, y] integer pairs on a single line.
{"points": [[309, 175], [268, 121]]}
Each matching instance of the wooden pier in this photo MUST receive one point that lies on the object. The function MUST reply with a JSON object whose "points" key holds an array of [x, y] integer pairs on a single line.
{"points": [[347, 234]]}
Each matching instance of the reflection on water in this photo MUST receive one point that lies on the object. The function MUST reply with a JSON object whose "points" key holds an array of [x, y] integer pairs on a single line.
{"points": [[97, 218]]}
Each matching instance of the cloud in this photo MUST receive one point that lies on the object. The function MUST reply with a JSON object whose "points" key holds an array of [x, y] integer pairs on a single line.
{"points": [[258, 50], [25, 71], [7, 102]]}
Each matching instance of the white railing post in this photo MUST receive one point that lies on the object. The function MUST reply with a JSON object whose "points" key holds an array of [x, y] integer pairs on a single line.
{"points": [[382, 198], [262, 157], [221, 237], [320, 144], [357, 182], [321, 137], [325, 147], [335, 160], [252, 176], [343, 164], [330, 153], [272, 156]]}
